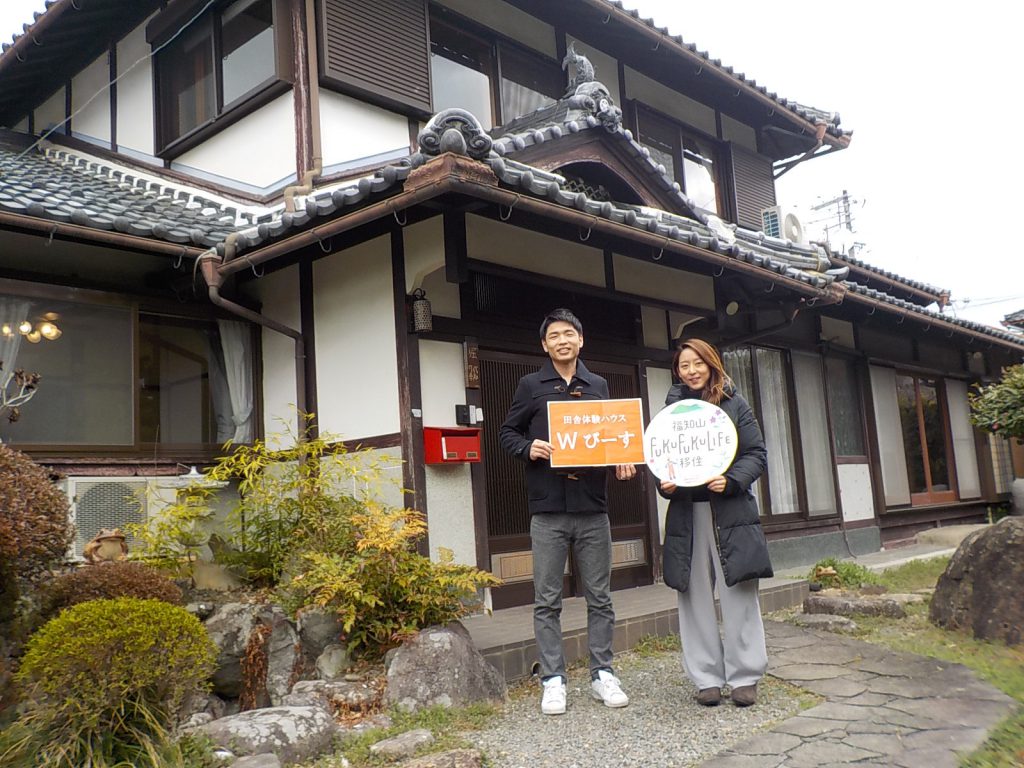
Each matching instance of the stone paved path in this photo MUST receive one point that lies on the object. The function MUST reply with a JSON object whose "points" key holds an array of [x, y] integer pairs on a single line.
{"points": [[882, 707]]}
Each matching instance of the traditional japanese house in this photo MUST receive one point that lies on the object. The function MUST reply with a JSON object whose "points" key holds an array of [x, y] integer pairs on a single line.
{"points": [[215, 212]]}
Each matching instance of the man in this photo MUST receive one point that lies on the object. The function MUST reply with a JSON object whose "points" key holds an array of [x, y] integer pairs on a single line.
{"points": [[567, 508]]}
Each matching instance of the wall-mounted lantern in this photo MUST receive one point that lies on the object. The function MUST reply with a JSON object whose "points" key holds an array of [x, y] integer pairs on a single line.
{"points": [[422, 316]]}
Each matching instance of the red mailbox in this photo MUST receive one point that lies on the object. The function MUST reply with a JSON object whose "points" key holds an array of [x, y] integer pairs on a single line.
{"points": [[451, 445]]}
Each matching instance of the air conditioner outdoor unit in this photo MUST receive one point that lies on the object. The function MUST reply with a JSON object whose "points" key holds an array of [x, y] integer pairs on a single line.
{"points": [[105, 502], [780, 222]]}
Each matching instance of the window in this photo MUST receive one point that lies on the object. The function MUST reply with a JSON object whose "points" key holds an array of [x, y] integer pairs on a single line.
{"points": [[224, 59], [189, 384], [925, 439], [844, 407], [688, 158], [787, 396], [465, 66]]}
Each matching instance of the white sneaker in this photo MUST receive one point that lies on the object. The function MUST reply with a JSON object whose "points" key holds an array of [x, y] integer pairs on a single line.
{"points": [[553, 700], [608, 689]]}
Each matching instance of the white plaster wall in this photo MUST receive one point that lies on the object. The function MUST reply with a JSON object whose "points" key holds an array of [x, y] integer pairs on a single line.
{"points": [[512, 22], [664, 99], [278, 292], [442, 381], [659, 380], [739, 133], [642, 278], [533, 252], [356, 352], [93, 121], [450, 512], [855, 492], [606, 68], [259, 149], [50, 112], [135, 93], [655, 327], [385, 487], [424, 267], [351, 130]]}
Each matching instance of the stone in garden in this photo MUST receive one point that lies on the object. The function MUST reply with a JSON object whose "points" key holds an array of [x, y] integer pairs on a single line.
{"points": [[332, 663], [453, 758], [826, 621], [980, 590], [257, 761], [440, 666], [233, 627], [403, 745], [201, 703], [294, 734], [339, 694], [317, 630], [846, 605]]}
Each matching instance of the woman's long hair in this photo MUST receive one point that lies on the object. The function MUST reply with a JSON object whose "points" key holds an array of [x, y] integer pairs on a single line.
{"points": [[714, 391]]}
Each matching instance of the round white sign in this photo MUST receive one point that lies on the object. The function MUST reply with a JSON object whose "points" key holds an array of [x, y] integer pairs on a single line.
{"points": [[689, 442]]}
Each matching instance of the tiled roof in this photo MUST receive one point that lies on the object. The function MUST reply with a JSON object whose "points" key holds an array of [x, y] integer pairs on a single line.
{"points": [[63, 186], [892, 276], [924, 313], [811, 114], [1015, 320]]}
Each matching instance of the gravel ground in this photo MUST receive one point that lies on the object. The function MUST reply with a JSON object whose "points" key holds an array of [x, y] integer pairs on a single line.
{"points": [[663, 726]]}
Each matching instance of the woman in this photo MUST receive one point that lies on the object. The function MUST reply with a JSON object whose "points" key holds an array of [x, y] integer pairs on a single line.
{"points": [[713, 536]]}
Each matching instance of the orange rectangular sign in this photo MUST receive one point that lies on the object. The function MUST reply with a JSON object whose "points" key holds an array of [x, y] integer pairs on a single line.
{"points": [[596, 433]]}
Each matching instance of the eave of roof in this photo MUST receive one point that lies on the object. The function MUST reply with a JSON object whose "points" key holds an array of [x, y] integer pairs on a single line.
{"points": [[861, 268], [803, 115]]}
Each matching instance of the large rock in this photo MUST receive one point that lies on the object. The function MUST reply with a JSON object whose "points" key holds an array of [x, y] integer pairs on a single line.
{"points": [[853, 605], [263, 636], [342, 695], [440, 666], [981, 590], [294, 734]]}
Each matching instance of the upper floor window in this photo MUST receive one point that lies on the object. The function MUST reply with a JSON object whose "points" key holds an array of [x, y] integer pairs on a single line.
{"points": [[688, 157], [220, 62], [492, 78]]}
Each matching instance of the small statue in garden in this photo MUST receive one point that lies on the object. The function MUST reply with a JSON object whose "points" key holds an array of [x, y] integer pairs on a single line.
{"points": [[107, 546]]}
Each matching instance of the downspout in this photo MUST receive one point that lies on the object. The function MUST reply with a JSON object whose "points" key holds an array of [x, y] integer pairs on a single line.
{"points": [[309, 80], [819, 137], [208, 263]]}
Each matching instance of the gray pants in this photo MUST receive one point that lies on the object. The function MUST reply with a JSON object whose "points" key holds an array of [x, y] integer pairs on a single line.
{"points": [[590, 536], [711, 661]]}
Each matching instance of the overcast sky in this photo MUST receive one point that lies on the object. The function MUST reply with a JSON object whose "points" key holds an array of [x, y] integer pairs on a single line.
{"points": [[930, 91]]}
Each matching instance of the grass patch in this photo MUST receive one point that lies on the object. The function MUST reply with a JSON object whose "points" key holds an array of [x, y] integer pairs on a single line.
{"points": [[445, 724], [999, 664], [653, 645]]}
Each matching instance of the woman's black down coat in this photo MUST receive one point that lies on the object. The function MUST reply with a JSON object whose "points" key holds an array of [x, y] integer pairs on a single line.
{"points": [[741, 544]]}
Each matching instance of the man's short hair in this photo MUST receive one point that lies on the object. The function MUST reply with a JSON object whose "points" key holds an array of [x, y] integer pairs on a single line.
{"points": [[561, 315]]}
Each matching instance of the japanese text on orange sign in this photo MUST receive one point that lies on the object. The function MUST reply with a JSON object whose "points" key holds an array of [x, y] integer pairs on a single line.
{"points": [[596, 433]]}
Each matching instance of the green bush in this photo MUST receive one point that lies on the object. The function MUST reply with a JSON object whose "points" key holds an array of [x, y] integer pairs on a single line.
{"points": [[847, 575], [106, 582], [382, 588], [34, 528], [104, 681]]}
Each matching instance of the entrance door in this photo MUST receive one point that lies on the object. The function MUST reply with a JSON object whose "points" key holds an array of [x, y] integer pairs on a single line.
{"points": [[508, 519]]}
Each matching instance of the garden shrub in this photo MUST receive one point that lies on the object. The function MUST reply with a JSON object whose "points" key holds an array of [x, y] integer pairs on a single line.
{"points": [[106, 582], [104, 680], [384, 590], [34, 529], [847, 575]]}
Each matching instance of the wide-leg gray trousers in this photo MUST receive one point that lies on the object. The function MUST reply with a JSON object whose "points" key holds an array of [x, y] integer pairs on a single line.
{"points": [[738, 655], [589, 535]]}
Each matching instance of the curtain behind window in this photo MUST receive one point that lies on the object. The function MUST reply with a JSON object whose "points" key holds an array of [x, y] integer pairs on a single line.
{"points": [[814, 434]]}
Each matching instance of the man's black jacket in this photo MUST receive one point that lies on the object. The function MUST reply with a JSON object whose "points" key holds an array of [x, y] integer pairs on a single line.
{"points": [[552, 490]]}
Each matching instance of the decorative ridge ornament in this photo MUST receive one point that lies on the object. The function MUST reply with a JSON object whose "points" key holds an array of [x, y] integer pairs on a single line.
{"points": [[456, 131], [582, 69]]}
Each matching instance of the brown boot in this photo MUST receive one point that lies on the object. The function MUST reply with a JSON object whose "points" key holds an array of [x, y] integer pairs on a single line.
{"points": [[745, 695], [709, 697]]}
